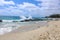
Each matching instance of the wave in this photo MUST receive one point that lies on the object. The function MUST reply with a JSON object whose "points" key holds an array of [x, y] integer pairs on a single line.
{"points": [[5, 30], [8, 27], [22, 19], [10, 20], [7, 20]]}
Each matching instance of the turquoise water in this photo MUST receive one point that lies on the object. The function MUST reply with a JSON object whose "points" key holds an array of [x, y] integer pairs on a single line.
{"points": [[9, 17], [8, 26]]}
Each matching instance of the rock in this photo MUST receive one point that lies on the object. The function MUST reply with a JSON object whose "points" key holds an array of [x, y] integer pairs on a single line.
{"points": [[0, 20]]}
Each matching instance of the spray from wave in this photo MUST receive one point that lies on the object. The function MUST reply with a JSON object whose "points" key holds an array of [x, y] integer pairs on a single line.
{"points": [[25, 18], [21, 18], [8, 25]]}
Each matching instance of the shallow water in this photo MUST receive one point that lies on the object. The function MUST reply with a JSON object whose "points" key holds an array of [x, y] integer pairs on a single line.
{"points": [[6, 27]]}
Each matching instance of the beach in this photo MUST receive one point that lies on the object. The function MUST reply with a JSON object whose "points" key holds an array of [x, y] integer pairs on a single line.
{"points": [[51, 31]]}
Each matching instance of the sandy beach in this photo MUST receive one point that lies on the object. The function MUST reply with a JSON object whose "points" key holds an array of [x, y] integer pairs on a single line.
{"points": [[48, 32]]}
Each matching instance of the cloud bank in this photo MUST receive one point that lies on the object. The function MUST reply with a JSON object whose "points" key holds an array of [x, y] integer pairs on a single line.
{"points": [[3, 2], [47, 7]]}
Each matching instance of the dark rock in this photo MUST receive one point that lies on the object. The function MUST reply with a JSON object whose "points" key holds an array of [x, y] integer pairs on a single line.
{"points": [[0, 20], [27, 20], [15, 21]]}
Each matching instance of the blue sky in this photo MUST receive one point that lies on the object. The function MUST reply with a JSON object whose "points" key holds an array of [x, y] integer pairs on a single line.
{"points": [[29, 7], [30, 1]]}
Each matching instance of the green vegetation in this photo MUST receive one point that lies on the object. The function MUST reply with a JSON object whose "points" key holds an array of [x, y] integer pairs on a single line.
{"points": [[53, 16]]}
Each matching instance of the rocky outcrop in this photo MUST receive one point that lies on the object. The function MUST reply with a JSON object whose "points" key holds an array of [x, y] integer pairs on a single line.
{"points": [[0, 20]]}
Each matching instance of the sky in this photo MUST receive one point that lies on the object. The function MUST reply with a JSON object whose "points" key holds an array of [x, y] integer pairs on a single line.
{"points": [[29, 7]]}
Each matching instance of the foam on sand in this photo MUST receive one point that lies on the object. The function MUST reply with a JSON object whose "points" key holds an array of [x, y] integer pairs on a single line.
{"points": [[5, 30]]}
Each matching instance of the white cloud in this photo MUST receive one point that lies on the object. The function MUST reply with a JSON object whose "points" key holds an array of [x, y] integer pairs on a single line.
{"points": [[2, 2], [28, 9], [12, 11], [22, 9], [50, 6], [28, 6]]}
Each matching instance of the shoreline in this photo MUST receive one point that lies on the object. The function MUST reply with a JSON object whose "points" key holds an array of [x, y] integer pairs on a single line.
{"points": [[49, 32]]}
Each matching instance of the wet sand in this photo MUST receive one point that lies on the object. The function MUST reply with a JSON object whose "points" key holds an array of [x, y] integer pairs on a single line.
{"points": [[48, 32]]}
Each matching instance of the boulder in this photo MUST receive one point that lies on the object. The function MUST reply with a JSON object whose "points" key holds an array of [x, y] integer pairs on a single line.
{"points": [[0, 20]]}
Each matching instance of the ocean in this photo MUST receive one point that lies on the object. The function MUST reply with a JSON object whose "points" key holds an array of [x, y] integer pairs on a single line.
{"points": [[7, 24], [9, 17]]}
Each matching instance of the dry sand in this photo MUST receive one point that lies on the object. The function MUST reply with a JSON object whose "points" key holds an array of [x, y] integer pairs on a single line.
{"points": [[49, 32]]}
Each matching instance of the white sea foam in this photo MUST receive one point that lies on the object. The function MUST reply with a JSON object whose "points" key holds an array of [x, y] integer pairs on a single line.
{"points": [[5, 30], [6, 27], [7, 20], [25, 18]]}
